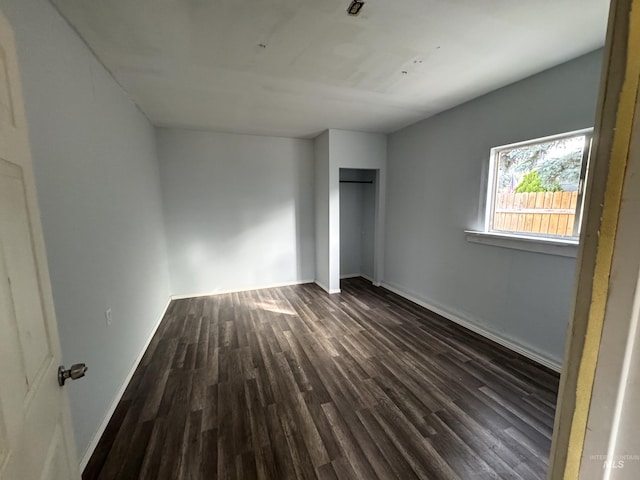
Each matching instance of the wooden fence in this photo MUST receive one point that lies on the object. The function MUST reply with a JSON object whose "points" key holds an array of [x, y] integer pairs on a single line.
{"points": [[548, 213]]}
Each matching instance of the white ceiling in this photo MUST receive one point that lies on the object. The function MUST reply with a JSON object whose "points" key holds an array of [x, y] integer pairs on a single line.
{"points": [[200, 63]]}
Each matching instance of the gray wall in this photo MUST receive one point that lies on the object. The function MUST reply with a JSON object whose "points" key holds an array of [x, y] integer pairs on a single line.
{"points": [[238, 210], [436, 182], [98, 184]]}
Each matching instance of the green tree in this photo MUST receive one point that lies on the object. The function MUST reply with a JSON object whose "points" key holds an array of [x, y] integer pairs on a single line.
{"points": [[532, 182]]}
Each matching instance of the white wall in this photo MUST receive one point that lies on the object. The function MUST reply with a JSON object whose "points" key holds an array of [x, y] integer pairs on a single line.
{"points": [[436, 171], [98, 184], [238, 210], [367, 262], [357, 222], [321, 178], [357, 150], [351, 213]]}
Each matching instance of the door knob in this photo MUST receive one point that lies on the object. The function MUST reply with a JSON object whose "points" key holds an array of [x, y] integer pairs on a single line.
{"points": [[76, 371]]}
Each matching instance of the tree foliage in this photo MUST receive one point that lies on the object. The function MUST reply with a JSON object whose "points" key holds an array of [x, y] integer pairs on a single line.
{"points": [[532, 182], [556, 162]]}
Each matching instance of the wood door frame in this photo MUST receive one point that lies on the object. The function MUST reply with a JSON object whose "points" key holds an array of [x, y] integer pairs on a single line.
{"points": [[614, 127]]}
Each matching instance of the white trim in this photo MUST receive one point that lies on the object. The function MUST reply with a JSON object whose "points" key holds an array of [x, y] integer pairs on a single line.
{"points": [[548, 138], [244, 289], [493, 173], [96, 436], [475, 327], [356, 275], [624, 381], [550, 246], [367, 277], [350, 275], [330, 292], [326, 289], [448, 315]]}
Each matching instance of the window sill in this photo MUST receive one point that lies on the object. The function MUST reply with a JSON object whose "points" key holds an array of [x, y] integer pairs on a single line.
{"points": [[549, 246]]}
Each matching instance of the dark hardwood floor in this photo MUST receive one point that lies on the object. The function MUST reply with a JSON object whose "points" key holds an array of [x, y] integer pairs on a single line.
{"points": [[293, 383]]}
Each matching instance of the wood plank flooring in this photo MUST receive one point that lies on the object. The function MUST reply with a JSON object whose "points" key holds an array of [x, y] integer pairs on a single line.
{"points": [[291, 383]]}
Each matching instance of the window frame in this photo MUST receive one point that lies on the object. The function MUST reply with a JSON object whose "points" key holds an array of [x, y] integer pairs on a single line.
{"points": [[490, 191]]}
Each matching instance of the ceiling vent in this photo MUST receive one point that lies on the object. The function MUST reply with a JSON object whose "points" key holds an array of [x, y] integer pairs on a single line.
{"points": [[355, 7]]}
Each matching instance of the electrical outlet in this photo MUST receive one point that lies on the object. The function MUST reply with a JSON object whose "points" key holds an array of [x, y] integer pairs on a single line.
{"points": [[107, 316]]}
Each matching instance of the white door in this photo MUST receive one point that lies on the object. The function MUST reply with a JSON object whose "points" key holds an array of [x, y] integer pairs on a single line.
{"points": [[36, 440]]}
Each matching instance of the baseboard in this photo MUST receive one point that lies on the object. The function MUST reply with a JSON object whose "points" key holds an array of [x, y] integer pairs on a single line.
{"points": [[356, 275], [474, 327], [367, 277], [326, 289], [350, 275], [96, 437], [236, 290]]}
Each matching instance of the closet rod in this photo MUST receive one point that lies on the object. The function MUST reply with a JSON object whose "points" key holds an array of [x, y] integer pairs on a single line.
{"points": [[356, 181]]}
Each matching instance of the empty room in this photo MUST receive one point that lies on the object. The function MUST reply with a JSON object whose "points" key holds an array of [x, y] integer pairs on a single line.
{"points": [[285, 239]]}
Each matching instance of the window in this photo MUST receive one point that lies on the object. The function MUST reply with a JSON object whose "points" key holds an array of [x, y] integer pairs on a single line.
{"points": [[535, 187]]}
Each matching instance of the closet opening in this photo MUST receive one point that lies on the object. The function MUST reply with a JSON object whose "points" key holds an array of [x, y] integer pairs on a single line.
{"points": [[358, 191]]}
